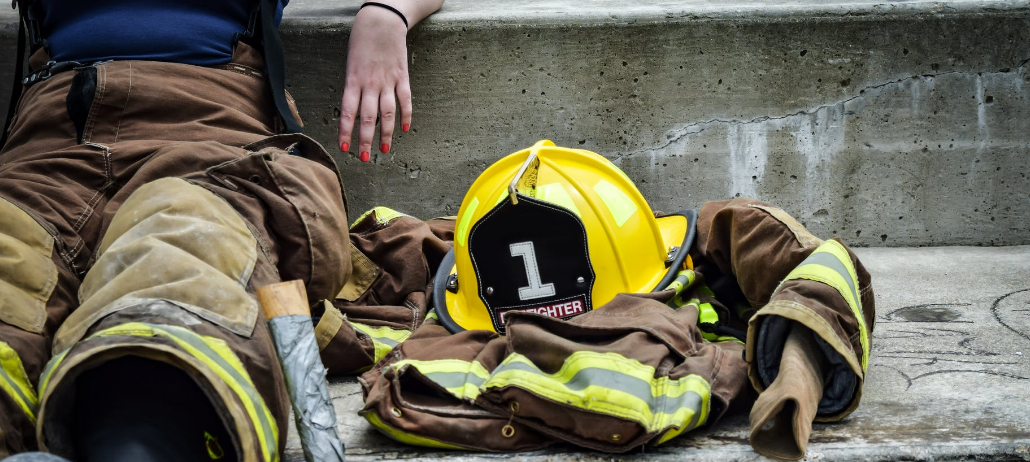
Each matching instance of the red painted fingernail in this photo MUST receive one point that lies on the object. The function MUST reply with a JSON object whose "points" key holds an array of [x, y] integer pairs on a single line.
{"points": [[405, 127], [365, 156], [345, 147], [384, 148]]}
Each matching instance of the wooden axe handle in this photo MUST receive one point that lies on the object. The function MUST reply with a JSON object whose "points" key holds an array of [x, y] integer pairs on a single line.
{"points": [[284, 298]]}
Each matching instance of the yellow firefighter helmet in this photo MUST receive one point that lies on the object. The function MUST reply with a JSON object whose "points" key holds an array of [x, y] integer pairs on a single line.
{"points": [[557, 232]]}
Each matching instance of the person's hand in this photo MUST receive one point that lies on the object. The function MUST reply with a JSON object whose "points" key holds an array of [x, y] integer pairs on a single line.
{"points": [[377, 80]]}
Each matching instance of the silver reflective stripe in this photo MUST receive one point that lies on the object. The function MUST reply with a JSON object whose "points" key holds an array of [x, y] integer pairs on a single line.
{"points": [[195, 341], [832, 262], [624, 383], [454, 379]]}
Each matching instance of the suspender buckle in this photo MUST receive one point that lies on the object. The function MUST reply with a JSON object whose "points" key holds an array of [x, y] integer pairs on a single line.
{"points": [[50, 69]]}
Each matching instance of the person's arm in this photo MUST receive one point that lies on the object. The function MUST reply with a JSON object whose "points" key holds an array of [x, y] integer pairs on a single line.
{"points": [[377, 73]]}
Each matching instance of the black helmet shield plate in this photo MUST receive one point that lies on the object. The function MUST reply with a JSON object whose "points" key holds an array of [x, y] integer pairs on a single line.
{"points": [[531, 257]]}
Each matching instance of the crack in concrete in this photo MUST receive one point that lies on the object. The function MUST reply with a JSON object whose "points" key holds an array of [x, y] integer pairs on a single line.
{"points": [[675, 135]]}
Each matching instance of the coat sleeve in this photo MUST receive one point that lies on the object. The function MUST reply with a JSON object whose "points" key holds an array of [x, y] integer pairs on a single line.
{"points": [[789, 278]]}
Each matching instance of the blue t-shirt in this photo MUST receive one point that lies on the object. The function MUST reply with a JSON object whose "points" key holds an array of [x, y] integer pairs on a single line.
{"points": [[182, 31]]}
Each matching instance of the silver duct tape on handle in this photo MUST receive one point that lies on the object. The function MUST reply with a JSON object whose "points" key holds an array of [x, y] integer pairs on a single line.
{"points": [[289, 320], [309, 392]]}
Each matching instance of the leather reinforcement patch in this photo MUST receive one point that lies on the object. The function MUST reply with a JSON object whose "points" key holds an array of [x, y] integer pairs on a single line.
{"points": [[804, 237], [531, 257], [29, 275]]}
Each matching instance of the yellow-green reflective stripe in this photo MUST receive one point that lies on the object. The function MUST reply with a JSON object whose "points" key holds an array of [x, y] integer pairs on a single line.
{"points": [[15, 381], [432, 314], [405, 438], [619, 204], [684, 279], [831, 265], [384, 215], [556, 194], [384, 339], [44, 379], [460, 378], [612, 384], [462, 233], [219, 357], [228, 368]]}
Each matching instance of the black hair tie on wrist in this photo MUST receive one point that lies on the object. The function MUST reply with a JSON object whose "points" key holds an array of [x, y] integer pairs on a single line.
{"points": [[383, 5]]}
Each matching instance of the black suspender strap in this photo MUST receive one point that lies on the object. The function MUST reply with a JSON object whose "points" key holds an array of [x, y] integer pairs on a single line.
{"points": [[275, 64], [19, 70]]}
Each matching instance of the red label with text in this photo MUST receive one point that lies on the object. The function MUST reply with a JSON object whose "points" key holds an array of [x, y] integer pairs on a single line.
{"points": [[555, 310]]}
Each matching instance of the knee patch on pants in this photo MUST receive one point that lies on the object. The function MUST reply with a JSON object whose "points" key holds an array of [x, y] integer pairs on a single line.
{"points": [[27, 273], [174, 241]]}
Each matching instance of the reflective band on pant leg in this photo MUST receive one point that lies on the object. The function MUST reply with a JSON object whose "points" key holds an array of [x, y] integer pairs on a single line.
{"points": [[27, 273], [175, 241], [383, 338], [216, 355], [15, 382], [830, 264]]}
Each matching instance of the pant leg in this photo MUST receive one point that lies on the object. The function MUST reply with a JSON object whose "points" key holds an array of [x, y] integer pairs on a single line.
{"points": [[788, 275], [50, 188], [194, 222]]}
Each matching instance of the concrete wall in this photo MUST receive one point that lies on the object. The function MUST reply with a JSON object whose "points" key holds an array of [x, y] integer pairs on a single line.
{"points": [[888, 124]]}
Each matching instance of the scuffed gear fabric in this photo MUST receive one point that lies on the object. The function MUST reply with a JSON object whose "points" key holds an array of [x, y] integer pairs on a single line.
{"points": [[210, 131], [478, 390], [386, 299]]}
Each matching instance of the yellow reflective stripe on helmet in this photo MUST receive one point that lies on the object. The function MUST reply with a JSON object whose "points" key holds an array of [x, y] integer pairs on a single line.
{"points": [[462, 232], [619, 204], [384, 215], [830, 264], [556, 194], [15, 381], [403, 437], [609, 383], [460, 378], [384, 339], [217, 356]]}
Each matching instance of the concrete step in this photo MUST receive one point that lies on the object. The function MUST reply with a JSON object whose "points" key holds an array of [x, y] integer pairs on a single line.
{"points": [[889, 123], [948, 378]]}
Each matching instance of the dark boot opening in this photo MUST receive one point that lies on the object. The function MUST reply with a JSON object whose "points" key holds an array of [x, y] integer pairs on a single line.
{"points": [[132, 409]]}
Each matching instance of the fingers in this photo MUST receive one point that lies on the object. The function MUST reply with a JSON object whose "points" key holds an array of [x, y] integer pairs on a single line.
{"points": [[404, 98], [367, 123], [348, 113], [387, 120]]}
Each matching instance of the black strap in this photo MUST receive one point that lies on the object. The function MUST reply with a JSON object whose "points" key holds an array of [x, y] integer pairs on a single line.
{"points": [[275, 65], [19, 70]]}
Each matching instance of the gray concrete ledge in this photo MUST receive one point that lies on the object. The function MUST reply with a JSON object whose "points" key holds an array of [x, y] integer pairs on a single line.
{"points": [[897, 123], [949, 375]]}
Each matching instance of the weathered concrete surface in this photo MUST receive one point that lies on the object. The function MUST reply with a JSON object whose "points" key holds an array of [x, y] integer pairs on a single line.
{"points": [[949, 377], [889, 123]]}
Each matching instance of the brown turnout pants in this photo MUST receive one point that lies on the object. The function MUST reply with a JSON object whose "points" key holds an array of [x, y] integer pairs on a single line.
{"points": [[141, 203]]}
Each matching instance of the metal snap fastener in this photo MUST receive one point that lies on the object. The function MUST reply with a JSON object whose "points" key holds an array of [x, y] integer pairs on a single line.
{"points": [[396, 412], [514, 406], [507, 431], [489, 290]]}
